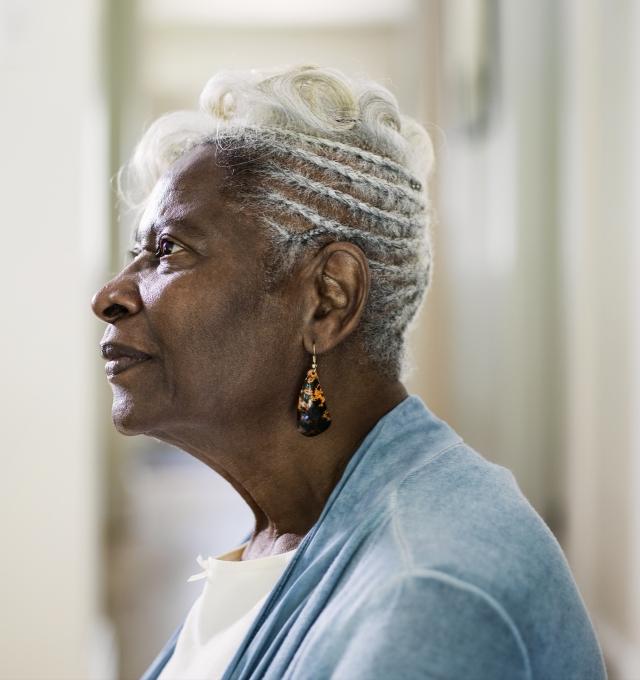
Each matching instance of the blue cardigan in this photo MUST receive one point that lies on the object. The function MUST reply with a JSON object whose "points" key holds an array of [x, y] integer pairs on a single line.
{"points": [[426, 562]]}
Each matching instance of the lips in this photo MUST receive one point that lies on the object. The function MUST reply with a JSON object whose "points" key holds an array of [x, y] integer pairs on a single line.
{"points": [[116, 366], [121, 357]]}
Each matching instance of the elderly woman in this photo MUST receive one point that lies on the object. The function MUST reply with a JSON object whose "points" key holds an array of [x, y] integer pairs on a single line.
{"points": [[281, 255]]}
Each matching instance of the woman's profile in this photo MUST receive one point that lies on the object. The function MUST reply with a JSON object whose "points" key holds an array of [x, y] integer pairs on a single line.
{"points": [[281, 254]]}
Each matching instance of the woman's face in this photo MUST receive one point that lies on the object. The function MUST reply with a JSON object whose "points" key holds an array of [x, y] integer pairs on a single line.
{"points": [[224, 354]]}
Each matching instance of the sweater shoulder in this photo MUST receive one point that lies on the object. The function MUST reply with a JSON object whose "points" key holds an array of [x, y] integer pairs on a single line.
{"points": [[466, 520], [465, 516]]}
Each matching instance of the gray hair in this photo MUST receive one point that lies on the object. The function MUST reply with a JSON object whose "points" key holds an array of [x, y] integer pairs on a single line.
{"points": [[316, 157]]}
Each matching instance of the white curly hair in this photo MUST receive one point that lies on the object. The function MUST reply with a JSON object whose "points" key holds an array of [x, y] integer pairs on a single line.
{"points": [[316, 157]]}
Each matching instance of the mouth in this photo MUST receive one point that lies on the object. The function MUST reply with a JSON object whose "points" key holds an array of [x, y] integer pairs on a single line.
{"points": [[117, 366], [121, 357]]}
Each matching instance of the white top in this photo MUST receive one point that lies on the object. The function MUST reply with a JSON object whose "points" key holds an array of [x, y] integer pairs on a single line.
{"points": [[234, 591]]}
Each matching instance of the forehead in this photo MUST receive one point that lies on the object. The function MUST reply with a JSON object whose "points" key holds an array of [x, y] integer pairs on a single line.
{"points": [[190, 190]]}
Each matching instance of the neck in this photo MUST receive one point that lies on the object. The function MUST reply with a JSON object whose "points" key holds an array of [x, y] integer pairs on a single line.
{"points": [[285, 477]]}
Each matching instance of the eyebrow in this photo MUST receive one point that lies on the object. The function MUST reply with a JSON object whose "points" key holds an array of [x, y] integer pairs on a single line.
{"points": [[180, 224]]}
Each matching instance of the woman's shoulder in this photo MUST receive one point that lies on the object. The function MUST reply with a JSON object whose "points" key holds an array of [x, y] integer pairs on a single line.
{"points": [[460, 501], [468, 517], [461, 527]]}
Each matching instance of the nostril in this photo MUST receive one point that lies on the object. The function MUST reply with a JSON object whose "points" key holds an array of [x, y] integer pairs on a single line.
{"points": [[114, 310]]}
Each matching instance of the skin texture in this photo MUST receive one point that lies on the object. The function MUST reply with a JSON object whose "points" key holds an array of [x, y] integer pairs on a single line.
{"points": [[228, 359]]}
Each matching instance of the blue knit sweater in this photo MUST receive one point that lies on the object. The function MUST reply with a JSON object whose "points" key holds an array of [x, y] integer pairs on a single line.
{"points": [[426, 562]]}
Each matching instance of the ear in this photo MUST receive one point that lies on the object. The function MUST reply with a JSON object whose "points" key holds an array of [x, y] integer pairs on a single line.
{"points": [[336, 285]]}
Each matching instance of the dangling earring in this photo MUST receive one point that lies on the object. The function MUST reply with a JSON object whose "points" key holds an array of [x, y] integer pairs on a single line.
{"points": [[313, 416]]}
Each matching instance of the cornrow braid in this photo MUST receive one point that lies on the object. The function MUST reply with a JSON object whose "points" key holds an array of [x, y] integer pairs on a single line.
{"points": [[391, 195], [326, 225], [338, 148], [381, 221]]}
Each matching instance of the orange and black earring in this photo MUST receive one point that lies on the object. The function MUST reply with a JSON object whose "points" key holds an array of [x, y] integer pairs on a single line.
{"points": [[313, 416]]}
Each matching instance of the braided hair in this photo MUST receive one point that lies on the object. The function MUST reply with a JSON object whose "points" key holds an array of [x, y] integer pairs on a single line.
{"points": [[316, 157]]}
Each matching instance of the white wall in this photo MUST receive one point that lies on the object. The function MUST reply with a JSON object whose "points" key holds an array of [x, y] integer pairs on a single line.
{"points": [[53, 178], [601, 260]]}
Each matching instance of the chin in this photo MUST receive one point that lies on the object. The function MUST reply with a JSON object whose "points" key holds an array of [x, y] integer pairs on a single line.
{"points": [[127, 426], [127, 419]]}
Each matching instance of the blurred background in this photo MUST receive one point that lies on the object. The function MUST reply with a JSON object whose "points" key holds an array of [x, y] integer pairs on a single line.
{"points": [[529, 344]]}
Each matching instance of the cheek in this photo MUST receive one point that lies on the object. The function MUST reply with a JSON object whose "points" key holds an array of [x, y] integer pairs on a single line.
{"points": [[210, 335]]}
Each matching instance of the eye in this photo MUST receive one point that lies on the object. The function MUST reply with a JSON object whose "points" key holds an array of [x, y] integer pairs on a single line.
{"points": [[166, 247]]}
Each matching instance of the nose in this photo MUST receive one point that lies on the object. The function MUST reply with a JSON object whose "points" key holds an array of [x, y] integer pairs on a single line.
{"points": [[118, 298]]}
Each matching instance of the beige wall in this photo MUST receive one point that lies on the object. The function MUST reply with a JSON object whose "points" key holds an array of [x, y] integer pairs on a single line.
{"points": [[53, 178], [601, 260]]}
